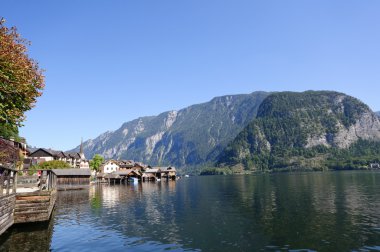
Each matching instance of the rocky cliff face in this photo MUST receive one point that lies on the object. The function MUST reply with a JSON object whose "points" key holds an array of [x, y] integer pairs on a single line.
{"points": [[191, 136], [290, 126], [366, 127]]}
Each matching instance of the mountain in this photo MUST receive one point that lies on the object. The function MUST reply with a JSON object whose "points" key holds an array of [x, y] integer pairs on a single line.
{"points": [[315, 129], [378, 113], [188, 137]]}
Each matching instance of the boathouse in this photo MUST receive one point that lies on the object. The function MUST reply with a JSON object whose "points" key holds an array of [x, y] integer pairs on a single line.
{"points": [[130, 173], [152, 174], [113, 178], [72, 179], [168, 172]]}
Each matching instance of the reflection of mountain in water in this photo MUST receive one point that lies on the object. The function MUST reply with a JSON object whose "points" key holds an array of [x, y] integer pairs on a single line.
{"points": [[318, 211]]}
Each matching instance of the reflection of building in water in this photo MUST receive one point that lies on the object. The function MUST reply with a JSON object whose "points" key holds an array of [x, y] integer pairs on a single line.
{"points": [[171, 185], [160, 210], [110, 196]]}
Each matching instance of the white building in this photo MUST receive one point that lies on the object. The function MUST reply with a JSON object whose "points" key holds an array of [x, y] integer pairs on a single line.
{"points": [[109, 166]]}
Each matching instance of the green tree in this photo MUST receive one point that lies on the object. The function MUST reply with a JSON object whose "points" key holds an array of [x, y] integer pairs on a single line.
{"points": [[9, 131], [21, 79], [48, 165], [96, 161]]}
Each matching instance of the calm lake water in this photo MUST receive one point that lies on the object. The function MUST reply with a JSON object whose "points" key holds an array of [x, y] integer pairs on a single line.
{"points": [[337, 211]]}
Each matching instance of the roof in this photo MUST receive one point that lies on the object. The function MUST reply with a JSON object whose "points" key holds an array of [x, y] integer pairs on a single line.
{"points": [[140, 164], [152, 170], [148, 175], [111, 161], [124, 173], [60, 154], [166, 169], [123, 165], [49, 152], [75, 155], [127, 172], [72, 172], [112, 176]]}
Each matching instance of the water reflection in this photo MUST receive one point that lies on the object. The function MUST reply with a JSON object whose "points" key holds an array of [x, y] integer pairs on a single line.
{"points": [[287, 212], [32, 237]]}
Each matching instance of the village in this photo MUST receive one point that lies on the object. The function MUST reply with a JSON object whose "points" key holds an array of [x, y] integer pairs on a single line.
{"points": [[110, 171]]}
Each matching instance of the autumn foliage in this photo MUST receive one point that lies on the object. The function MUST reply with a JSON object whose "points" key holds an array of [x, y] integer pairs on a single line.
{"points": [[21, 79]]}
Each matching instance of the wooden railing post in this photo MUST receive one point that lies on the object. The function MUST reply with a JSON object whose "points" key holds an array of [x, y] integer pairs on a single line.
{"points": [[8, 182], [14, 181], [2, 176]]}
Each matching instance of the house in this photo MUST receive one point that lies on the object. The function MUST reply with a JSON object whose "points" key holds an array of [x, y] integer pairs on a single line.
{"points": [[41, 155], [109, 166], [152, 174], [139, 166], [130, 164], [168, 172], [125, 165], [11, 151], [74, 159], [71, 179]]}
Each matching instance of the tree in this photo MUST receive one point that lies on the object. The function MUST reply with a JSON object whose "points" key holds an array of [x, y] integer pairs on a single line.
{"points": [[9, 131], [21, 79], [96, 161], [48, 165]]}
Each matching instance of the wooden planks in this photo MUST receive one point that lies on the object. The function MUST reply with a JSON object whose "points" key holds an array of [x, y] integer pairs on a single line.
{"points": [[7, 204], [34, 206]]}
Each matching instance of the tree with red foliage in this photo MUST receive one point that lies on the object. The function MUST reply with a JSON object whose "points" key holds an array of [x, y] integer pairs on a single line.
{"points": [[21, 79]]}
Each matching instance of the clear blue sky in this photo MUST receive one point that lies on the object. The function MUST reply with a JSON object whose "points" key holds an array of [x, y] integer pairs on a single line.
{"points": [[111, 61]]}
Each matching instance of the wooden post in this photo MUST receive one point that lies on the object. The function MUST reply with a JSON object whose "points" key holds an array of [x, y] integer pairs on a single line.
{"points": [[2, 176], [8, 182], [15, 181]]}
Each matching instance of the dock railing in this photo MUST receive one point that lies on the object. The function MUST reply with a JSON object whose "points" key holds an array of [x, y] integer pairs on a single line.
{"points": [[48, 180], [45, 180], [8, 178]]}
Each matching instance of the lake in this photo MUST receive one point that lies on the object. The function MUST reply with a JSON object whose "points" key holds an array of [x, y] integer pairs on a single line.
{"points": [[331, 211]]}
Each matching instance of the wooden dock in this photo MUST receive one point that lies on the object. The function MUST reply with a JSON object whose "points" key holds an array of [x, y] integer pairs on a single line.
{"points": [[7, 197], [34, 206], [24, 207]]}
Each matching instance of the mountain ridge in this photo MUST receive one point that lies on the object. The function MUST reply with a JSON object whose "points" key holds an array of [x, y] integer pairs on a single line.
{"points": [[191, 136], [200, 134], [292, 129]]}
